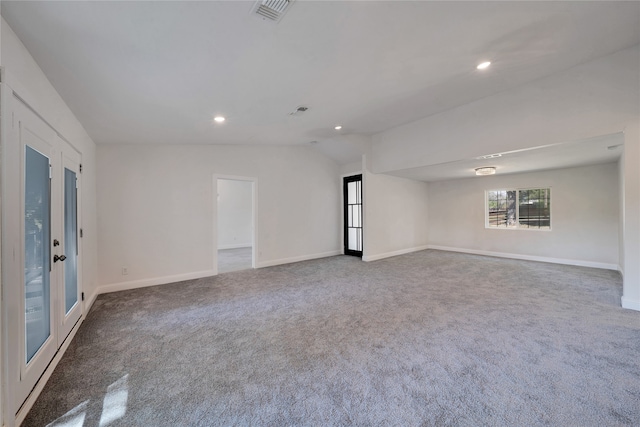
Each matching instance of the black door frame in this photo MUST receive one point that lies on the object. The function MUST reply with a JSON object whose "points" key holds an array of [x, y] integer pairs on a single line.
{"points": [[345, 208]]}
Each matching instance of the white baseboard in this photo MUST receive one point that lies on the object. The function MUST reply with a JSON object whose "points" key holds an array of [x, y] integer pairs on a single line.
{"points": [[238, 246], [580, 263], [296, 259], [368, 258], [90, 302], [33, 396], [143, 283], [630, 304]]}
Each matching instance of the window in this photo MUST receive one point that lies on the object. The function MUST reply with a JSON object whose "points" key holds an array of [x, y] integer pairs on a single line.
{"points": [[528, 208]]}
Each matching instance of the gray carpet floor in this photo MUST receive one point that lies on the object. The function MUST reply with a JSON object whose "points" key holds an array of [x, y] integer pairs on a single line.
{"points": [[234, 259], [428, 338]]}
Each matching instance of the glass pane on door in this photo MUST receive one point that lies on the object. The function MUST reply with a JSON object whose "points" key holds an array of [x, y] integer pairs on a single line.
{"points": [[70, 240], [352, 244], [37, 254], [352, 193]]}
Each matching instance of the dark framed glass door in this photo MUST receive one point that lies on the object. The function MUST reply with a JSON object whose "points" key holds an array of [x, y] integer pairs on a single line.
{"points": [[352, 193]]}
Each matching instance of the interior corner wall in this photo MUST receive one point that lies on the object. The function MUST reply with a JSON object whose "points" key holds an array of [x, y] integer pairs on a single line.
{"points": [[621, 206], [156, 203], [235, 214], [395, 217], [631, 215], [584, 216]]}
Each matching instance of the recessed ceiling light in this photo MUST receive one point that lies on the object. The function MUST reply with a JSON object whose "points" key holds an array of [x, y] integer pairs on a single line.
{"points": [[338, 127], [219, 119], [483, 65], [486, 171]]}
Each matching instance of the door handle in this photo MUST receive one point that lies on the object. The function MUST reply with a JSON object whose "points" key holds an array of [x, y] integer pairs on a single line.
{"points": [[59, 258]]}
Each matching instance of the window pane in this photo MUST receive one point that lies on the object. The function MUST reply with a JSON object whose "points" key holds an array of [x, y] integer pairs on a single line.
{"points": [[493, 205], [519, 208], [36, 244], [501, 208], [511, 208], [535, 208], [70, 240]]}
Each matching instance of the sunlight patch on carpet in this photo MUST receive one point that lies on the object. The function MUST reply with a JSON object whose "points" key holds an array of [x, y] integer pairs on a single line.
{"points": [[114, 405]]}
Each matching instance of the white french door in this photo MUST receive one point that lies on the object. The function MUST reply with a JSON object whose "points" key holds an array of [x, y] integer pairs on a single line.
{"points": [[40, 245], [70, 308]]}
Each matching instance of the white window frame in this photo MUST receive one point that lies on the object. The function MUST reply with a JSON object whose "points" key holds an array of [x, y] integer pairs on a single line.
{"points": [[517, 226]]}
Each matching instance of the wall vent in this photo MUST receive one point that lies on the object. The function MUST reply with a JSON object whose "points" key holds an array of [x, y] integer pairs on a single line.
{"points": [[272, 10]]}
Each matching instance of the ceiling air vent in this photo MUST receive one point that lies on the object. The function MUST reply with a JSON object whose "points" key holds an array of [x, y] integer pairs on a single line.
{"points": [[272, 10]]}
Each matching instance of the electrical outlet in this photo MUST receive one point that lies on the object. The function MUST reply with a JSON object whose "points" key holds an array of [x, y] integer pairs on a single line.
{"points": [[125, 271]]}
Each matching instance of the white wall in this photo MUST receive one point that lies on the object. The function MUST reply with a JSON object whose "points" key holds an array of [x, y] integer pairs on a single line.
{"points": [[351, 168], [235, 213], [395, 216], [155, 207], [596, 98], [584, 215]]}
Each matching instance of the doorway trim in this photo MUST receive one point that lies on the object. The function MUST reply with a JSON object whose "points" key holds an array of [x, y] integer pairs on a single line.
{"points": [[345, 180], [254, 217]]}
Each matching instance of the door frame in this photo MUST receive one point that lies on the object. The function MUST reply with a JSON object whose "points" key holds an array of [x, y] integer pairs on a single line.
{"points": [[254, 217], [12, 160], [343, 216]]}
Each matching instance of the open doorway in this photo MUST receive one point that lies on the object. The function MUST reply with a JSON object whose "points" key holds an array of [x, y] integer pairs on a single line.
{"points": [[235, 236]]}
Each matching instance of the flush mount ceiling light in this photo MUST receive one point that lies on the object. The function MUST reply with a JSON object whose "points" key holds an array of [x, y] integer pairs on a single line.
{"points": [[486, 171], [219, 119], [484, 65], [338, 127]]}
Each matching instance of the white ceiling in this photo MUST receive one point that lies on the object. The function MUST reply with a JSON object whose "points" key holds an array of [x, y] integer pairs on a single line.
{"points": [[155, 72]]}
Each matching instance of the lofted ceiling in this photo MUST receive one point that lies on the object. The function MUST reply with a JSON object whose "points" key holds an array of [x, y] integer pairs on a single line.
{"points": [[156, 72]]}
